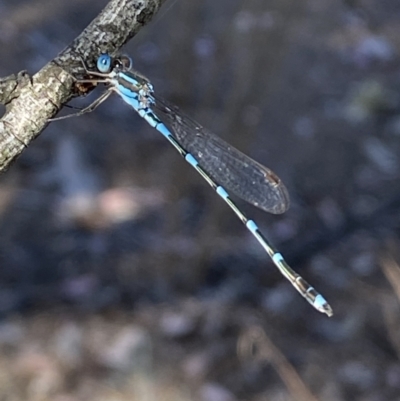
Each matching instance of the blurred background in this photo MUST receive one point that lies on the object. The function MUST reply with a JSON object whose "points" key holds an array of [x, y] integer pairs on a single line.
{"points": [[123, 276]]}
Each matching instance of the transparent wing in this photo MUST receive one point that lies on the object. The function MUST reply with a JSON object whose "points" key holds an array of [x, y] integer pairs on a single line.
{"points": [[230, 168]]}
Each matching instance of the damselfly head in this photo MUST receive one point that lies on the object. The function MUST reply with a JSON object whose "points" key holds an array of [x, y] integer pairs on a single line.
{"points": [[106, 63]]}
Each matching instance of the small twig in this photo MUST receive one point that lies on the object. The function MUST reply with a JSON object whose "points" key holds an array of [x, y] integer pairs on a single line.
{"points": [[30, 103]]}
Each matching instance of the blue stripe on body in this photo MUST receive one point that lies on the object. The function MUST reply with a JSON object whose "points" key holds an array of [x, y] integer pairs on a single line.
{"points": [[221, 192], [252, 226], [126, 92], [191, 160], [163, 129], [277, 258], [144, 112], [130, 78], [150, 118], [132, 101], [319, 301]]}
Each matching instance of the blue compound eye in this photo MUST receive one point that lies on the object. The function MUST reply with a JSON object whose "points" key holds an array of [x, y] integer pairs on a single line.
{"points": [[104, 63]]}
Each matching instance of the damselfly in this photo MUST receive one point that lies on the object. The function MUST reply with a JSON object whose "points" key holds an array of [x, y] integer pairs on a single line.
{"points": [[220, 164]]}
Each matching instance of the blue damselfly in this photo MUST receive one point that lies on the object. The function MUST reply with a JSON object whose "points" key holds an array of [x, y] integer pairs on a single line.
{"points": [[220, 164]]}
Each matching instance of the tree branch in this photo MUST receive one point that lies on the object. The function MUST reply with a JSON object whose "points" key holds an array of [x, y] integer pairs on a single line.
{"points": [[31, 101]]}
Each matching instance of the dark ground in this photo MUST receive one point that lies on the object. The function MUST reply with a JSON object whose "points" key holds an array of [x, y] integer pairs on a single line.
{"points": [[124, 277]]}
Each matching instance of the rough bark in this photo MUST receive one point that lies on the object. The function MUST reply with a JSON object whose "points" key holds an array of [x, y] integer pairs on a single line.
{"points": [[31, 101]]}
